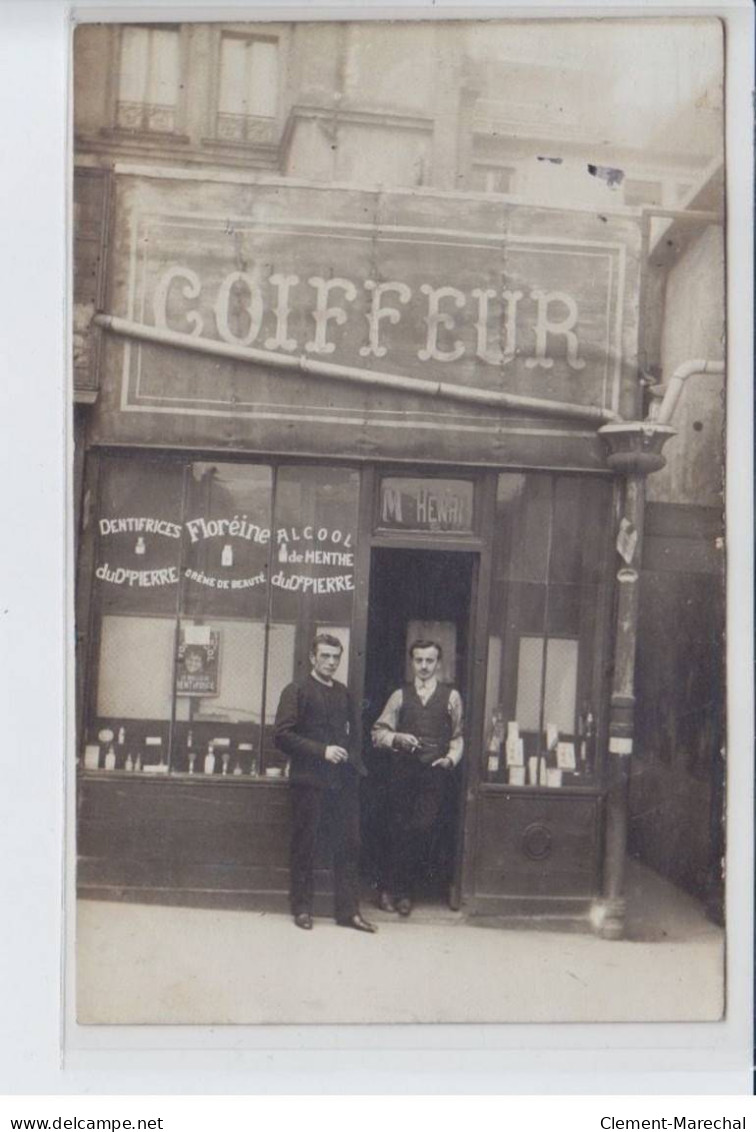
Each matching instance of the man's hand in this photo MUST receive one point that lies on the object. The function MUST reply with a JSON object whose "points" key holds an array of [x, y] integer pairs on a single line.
{"points": [[403, 741], [446, 763], [336, 754]]}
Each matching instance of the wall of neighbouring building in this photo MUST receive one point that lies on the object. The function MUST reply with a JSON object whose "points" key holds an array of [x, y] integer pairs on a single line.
{"points": [[677, 791]]}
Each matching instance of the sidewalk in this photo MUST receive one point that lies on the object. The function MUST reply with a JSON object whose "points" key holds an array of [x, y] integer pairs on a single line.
{"points": [[149, 964]]}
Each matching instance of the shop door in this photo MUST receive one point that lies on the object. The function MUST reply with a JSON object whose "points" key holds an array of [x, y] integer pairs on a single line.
{"points": [[415, 594]]}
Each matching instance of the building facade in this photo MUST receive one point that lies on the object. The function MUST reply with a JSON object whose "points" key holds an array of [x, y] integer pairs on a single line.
{"points": [[372, 329]]}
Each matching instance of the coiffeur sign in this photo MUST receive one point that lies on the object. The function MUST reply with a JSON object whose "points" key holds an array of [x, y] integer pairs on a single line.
{"points": [[465, 291]]}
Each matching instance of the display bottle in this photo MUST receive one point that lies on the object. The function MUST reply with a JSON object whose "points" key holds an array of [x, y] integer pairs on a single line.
{"points": [[110, 758], [210, 760], [225, 758], [129, 764], [245, 756], [590, 733], [190, 756], [582, 744], [495, 742], [494, 753], [138, 763]]}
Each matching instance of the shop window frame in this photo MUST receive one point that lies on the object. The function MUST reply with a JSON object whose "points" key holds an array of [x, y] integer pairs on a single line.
{"points": [[598, 676], [90, 620]]}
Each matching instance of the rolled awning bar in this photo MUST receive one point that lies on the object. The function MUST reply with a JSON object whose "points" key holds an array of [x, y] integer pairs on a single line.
{"points": [[420, 386]]}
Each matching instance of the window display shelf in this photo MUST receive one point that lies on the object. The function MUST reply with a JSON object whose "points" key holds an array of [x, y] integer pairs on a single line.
{"points": [[182, 777], [589, 789]]}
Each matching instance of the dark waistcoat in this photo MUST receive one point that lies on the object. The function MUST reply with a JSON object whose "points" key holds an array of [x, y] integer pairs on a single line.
{"points": [[430, 722]]}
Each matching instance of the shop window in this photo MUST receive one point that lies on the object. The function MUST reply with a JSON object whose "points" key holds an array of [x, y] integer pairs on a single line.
{"points": [[248, 88], [211, 580], [548, 614], [148, 79]]}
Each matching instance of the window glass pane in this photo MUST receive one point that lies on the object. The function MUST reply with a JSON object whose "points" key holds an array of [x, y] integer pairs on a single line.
{"points": [[281, 645], [139, 536], [529, 680], [530, 532], [132, 77], [233, 76], [525, 608], [312, 589], [148, 79], [133, 708], [136, 657], [227, 540], [561, 686], [582, 509], [225, 601], [163, 85], [555, 528], [263, 79], [219, 682], [316, 531], [564, 611], [493, 679]]}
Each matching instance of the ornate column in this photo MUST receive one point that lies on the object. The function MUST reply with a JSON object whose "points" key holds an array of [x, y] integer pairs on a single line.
{"points": [[635, 450]]}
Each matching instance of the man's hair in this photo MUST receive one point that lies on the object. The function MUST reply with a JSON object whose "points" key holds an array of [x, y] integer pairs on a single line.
{"points": [[325, 639], [420, 644]]}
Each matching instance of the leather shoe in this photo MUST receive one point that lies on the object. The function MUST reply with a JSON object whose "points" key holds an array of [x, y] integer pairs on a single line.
{"points": [[303, 920], [357, 923], [404, 906], [386, 902]]}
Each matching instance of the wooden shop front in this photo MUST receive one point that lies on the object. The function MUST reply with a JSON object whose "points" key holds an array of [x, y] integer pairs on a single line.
{"points": [[376, 415]]}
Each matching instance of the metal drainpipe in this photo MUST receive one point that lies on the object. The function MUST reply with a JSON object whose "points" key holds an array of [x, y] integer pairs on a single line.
{"points": [[468, 395], [670, 393], [636, 450]]}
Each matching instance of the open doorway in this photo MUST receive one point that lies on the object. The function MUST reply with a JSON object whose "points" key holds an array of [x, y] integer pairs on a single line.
{"points": [[414, 594]]}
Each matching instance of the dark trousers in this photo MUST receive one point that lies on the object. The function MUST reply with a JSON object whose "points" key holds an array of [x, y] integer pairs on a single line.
{"points": [[328, 817], [416, 798]]}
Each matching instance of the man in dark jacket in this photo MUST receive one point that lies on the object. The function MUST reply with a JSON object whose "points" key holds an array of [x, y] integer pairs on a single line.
{"points": [[316, 728], [421, 725]]}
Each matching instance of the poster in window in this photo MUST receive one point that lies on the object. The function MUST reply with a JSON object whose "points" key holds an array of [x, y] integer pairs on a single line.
{"points": [[198, 661]]}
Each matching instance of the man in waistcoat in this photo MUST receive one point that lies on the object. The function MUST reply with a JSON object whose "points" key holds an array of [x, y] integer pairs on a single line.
{"points": [[421, 724], [316, 728]]}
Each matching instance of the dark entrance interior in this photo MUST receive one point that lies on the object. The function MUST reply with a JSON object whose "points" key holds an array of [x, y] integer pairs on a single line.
{"points": [[413, 593]]}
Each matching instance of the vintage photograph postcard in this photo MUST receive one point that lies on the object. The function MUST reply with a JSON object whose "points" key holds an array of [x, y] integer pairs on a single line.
{"points": [[399, 372]]}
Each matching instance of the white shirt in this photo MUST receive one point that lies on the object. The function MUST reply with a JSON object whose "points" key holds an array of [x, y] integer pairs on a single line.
{"points": [[385, 727]]}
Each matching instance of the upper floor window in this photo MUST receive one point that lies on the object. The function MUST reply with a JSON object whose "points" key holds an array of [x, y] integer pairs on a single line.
{"points": [[248, 87], [148, 79]]}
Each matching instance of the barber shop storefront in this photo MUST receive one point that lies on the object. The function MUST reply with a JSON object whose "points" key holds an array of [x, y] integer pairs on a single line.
{"points": [[384, 416]]}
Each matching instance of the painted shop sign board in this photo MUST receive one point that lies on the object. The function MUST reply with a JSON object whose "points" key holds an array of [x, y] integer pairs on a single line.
{"points": [[487, 296], [415, 504]]}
